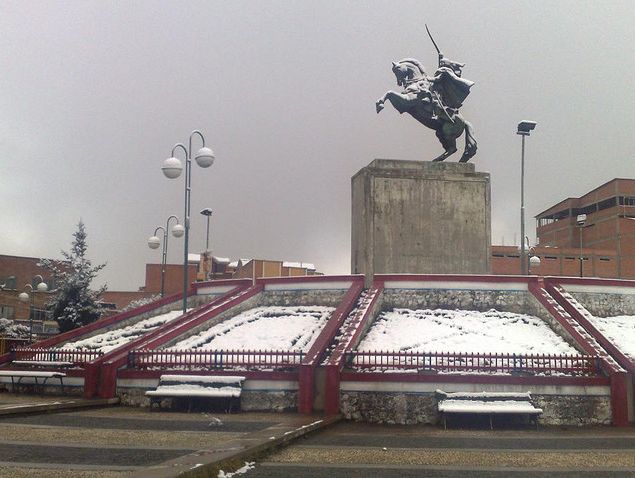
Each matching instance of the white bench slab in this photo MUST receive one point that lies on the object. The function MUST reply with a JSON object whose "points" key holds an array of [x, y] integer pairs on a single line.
{"points": [[196, 386], [486, 403], [20, 374]]}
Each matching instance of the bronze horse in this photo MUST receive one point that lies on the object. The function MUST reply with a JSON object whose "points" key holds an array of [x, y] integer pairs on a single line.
{"points": [[434, 102]]}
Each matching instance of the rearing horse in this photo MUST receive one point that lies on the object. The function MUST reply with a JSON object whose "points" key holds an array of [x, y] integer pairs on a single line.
{"points": [[434, 102]]}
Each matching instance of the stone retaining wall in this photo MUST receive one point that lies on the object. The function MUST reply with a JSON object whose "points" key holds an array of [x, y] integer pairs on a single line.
{"points": [[327, 298], [606, 305], [279, 401], [412, 408], [520, 302]]}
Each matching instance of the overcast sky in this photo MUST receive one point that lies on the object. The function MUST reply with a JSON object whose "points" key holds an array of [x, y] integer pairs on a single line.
{"points": [[93, 95]]}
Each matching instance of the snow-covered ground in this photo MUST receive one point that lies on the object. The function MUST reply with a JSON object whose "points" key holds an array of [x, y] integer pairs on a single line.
{"points": [[112, 339], [620, 330], [462, 331], [263, 328]]}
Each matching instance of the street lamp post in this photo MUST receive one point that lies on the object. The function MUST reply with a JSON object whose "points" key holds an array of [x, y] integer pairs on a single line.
{"points": [[580, 221], [208, 213], [154, 241], [26, 297], [524, 128], [172, 169]]}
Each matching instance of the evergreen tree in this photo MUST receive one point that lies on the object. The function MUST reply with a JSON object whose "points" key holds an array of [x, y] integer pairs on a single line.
{"points": [[74, 304]]}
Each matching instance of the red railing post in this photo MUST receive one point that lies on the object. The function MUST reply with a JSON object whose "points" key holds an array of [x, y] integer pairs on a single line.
{"points": [[306, 386], [332, 390], [620, 398]]}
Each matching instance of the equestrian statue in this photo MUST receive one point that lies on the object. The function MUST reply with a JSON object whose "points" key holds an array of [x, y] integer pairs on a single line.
{"points": [[434, 100]]}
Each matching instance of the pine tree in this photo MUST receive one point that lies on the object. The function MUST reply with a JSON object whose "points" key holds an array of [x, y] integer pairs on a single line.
{"points": [[74, 304]]}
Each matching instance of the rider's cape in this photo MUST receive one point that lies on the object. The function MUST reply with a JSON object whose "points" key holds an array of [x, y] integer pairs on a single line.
{"points": [[453, 89]]}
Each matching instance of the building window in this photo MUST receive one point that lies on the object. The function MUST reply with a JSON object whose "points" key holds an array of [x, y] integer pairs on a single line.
{"points": [[8, 283], [607, 203], [551, 258], [7, 312], [38, 314], [605, 259]]}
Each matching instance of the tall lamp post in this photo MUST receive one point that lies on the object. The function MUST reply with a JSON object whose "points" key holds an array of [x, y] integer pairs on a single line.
{"points": [[172, 169], [153, 243], [524, 128], [208, 213], [26, 297], [580, 221]]}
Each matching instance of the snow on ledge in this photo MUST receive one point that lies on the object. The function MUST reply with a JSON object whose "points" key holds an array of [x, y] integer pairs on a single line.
{"points": [[455, 285], [317, 285], [203, 378]]}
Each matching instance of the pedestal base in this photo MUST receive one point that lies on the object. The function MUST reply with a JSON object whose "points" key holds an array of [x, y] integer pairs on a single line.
{"points": [[420, 217]]}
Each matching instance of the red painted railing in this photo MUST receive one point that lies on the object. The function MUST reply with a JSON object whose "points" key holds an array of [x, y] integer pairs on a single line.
{"points": [[448, 362], [212, 359], [75, 357]]}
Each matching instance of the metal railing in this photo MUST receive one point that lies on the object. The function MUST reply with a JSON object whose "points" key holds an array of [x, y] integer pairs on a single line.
{"points": [[55, 356], [448, 362], [212, 359]]}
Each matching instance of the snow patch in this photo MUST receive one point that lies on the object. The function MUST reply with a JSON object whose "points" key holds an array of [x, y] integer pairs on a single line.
{"points": [[468, 331], [262, 328]]}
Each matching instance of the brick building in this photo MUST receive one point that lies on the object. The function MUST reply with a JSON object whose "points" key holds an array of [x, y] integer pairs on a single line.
{"points": [[602, 246], [16, 273]]}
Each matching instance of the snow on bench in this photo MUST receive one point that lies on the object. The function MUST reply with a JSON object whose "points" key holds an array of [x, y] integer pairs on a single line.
{"points": [[487, 403], [20, 374], [44, 363], [197, 386]]}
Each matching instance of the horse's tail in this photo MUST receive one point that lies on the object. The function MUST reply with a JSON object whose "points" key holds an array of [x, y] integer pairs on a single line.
{"points": [[470, 143]]}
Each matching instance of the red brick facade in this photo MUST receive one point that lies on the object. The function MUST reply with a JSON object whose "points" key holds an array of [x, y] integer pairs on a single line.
{"points": [[606, 241]]}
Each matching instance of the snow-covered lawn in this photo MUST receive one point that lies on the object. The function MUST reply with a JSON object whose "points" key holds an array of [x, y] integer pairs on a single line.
{"points": [[263, 328], [112, 339], [620, 330], [462, 331]]}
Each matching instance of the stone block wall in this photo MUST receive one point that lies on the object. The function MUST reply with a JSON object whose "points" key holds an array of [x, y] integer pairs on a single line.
{"points": [[606, 305], [520, 302], [273, 401], [412, 408], [327, 298]]}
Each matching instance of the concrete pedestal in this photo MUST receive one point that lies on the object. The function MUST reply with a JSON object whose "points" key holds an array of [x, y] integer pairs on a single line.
{"points": [[420, 217]]}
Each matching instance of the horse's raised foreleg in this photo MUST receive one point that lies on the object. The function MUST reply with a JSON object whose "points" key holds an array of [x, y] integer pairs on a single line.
{"points": [[470, 143], [401, 103]]}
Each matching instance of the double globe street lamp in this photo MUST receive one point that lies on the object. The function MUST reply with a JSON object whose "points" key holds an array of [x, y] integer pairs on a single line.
{"points": [[153, 243], [172, 168], [28, 297]]}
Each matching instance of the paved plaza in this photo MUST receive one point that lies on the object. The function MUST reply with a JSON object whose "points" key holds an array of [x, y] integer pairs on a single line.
{"points": [[360, 450], [109, 442], [115, 441]]}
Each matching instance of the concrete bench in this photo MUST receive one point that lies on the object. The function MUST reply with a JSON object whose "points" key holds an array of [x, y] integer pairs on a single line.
{"points": [[198, 386], [20, 374], [486, 403]]}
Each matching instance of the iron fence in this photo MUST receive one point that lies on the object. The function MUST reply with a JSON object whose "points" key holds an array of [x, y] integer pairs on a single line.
{"points": [[67, 356], [212, 359], [449, 362]]}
